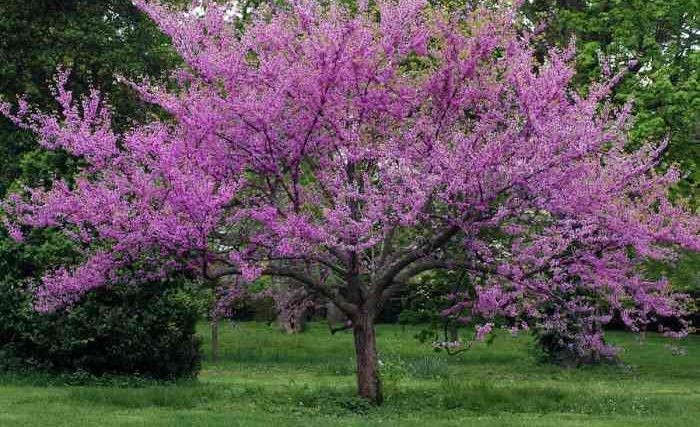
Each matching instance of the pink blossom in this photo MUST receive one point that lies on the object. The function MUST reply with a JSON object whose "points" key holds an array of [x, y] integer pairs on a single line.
{"points": [[483, 330], [13, 230]]}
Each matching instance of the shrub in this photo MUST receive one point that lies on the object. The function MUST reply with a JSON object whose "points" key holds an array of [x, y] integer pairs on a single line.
{"points": [[142, 330]]}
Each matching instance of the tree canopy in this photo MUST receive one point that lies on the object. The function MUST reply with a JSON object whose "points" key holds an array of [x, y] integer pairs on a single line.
{"points": [[349, 149]]}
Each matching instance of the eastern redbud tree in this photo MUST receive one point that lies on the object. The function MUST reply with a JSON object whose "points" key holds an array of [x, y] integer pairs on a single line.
{"points": [[347, 150]]}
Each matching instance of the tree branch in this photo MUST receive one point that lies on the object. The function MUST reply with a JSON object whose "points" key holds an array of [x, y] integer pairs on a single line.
{"points": [[343, 304], [437, 241]]}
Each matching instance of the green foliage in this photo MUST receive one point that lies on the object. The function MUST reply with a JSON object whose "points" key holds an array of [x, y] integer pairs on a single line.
{"points": [[96, 39], [684, 273], [144, 330], [663, 37], [426, 297]]}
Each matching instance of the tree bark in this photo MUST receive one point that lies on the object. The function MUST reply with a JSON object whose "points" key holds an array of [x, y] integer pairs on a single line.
{"points": [[294, 323], [368, 382], [454, 332], [215, 339]]}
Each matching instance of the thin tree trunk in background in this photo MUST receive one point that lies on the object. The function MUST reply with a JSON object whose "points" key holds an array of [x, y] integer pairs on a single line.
{"points": [[294, 323], [368, 382], [215, 339], [454, 333]]}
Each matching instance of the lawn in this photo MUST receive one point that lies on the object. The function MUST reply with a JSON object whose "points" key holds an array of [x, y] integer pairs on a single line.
{"points": [[266, 378]]}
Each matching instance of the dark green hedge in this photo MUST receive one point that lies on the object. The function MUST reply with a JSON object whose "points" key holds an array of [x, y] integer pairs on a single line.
{"points": [[147, 330]]}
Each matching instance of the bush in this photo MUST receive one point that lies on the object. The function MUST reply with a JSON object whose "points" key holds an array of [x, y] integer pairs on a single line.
{"points": [[146, 330]]}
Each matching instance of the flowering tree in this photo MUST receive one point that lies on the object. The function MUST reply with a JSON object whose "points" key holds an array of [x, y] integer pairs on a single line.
{"points": [[347, 151]]}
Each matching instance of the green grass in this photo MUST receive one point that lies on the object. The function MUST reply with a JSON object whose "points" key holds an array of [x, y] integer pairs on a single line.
{"points": [[267, 378]]}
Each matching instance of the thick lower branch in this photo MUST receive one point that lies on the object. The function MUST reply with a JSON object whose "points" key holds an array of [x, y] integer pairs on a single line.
{"points": [[437, 241], [348, 308]]}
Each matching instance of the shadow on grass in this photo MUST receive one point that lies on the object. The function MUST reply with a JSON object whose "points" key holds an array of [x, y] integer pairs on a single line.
{"points": [[175, 397], [449, 395]]}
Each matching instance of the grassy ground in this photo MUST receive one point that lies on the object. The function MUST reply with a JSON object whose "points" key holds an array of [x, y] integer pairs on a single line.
{"points": [[266, 378]]}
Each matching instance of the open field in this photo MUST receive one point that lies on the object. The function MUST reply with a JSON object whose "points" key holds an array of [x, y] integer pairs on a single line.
{"points": [[266, 378]]}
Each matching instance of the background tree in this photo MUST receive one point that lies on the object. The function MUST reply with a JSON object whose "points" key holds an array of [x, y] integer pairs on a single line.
{"points": [[97, 39], [662, 37], [346, 150]]}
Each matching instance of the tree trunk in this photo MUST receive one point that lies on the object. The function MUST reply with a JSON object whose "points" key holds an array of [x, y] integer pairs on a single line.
{"points": [[215, 339], [293, 323], [454, 332], [368, 382]]}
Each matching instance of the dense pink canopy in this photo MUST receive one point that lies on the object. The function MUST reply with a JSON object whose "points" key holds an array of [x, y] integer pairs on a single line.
{"points": [[351, 151]]}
